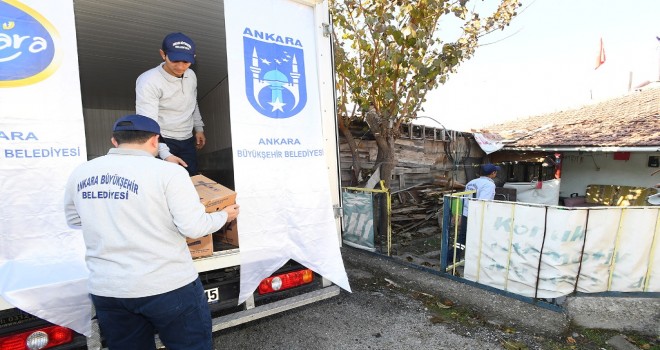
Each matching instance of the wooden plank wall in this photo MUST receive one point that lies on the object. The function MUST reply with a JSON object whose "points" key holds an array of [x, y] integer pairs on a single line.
{"points": [[420, 160]]}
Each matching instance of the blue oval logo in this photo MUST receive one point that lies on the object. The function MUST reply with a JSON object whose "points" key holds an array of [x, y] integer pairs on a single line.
{"points": [[27, 48]]}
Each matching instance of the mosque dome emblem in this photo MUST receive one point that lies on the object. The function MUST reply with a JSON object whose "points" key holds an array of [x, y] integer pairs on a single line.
{"points": [[275, 76]]}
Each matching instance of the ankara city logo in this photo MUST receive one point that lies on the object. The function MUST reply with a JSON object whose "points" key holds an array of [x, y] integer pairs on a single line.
{"points": [[274, 73]]}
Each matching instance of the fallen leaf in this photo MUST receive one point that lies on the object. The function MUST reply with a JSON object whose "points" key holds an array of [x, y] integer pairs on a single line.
{"points": [[571, 340], [391, 282], [436, 319], [443, 306], [511, 345]]}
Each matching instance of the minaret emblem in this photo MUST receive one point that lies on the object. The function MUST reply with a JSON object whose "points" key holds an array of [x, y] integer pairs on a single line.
{"points": [[274, 78]]}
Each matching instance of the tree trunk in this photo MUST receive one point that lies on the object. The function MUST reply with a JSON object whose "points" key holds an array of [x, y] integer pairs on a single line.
{"points": [[385, 142], [386, 158], [356, 167]]}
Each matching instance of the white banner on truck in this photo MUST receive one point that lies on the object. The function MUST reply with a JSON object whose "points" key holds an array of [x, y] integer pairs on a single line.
{"points": [[42, 267], [540, 251], [279, 161]]}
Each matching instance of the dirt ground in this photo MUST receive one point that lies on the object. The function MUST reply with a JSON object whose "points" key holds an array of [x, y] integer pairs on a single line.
{"points": [[421, 246], [395, 307]]}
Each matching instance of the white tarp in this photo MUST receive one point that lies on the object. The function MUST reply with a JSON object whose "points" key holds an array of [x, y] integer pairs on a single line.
{"points": [[545, 192], [42, 268], [506, 248], [279, 163], [488, 142]]}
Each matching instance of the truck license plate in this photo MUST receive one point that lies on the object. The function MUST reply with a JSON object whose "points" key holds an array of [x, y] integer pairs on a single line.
{"points": [[212, 295]]}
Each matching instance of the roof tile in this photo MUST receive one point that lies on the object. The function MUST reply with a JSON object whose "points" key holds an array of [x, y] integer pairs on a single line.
{"points": [[629, 121]]}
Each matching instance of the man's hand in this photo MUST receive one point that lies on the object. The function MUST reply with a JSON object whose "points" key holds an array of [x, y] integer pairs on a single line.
{"points": [[232, 212], [177, 160], [201, 139]]}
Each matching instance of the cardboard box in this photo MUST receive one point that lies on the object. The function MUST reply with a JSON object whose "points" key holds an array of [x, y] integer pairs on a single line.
{"points": [[200, 247], [228, 235], [214, 197], [231, 233]]}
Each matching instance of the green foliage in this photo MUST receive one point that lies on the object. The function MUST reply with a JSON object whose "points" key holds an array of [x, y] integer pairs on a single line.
{"points": [[390, 53]]}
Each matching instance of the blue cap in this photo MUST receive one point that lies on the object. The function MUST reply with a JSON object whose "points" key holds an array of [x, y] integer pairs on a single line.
{"points": [[179, 47], [136, 122], [488, 169]]}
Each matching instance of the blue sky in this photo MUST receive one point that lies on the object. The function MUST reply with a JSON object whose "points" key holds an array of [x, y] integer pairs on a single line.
{"points": [[545, 62]]}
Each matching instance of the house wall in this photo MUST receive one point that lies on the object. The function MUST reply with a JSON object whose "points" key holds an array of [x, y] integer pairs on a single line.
{"points": [[419, 160], [582, 169]]}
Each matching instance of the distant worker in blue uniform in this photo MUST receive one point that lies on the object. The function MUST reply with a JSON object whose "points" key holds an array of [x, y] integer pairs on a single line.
{"points": [[485, 189]]}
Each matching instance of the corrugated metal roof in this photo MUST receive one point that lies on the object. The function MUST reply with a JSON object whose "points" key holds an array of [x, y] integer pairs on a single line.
{"points": [[632, 120], [120, 39]]}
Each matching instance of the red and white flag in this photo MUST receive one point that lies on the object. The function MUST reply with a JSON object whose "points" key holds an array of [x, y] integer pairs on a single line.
{"points": [[601, 55]]}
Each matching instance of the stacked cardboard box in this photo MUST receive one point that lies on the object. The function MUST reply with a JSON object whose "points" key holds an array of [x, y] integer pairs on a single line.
{"points": [[214, 197], [228, 235]]}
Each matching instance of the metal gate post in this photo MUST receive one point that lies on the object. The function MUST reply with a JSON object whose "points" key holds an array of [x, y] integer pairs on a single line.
{"points": [[446, 223]]}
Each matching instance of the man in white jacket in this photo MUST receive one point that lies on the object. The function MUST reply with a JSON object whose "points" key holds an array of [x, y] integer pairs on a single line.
{"points": [[485, 189], [168, 95], [136, 212]]}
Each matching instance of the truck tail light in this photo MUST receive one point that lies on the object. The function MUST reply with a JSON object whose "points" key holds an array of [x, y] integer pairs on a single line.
{"points": [[36, 339], [285, 281]]}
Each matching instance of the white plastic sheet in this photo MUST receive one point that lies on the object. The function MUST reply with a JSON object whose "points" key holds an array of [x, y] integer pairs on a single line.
{"points": [[543, 251], [42, 269], [279, 164], [489, 142], [546, 192], [53, 291]]}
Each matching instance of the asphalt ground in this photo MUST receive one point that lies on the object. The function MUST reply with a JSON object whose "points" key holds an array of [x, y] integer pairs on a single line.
{"points": [[398, 306]]}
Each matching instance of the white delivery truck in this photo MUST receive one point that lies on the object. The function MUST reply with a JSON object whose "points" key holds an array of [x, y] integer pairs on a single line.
{"points": [[266, 95]]}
